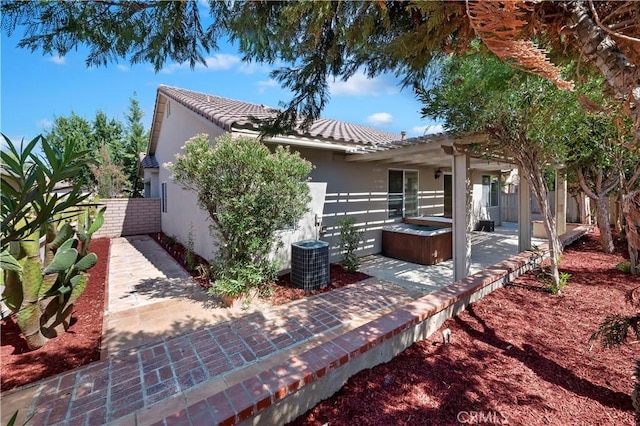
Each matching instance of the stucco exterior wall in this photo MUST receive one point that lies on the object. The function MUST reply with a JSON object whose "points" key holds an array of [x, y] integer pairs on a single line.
{"points": [[183, 214], [360, 190], [307, 228], [480, 211], [150, 176]]}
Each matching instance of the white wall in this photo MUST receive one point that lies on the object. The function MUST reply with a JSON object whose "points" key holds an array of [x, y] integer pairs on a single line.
{"points": [[151, 176], [306, 228], [182, 208], [480, 212]]}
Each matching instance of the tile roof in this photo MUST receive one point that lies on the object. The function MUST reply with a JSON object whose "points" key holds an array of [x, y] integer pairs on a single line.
{"points": [[148, 161], [231, 114]]}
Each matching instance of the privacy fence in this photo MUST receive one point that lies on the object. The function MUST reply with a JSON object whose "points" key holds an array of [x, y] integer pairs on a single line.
{"points": [[509, 208]]}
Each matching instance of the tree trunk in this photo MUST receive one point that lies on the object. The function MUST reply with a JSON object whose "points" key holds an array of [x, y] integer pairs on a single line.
{"points": [[602, 217], [601, 50], [599, 195], [540, 192], [632, 214]]}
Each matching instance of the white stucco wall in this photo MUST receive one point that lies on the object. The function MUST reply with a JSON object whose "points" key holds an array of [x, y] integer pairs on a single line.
{"points": [[480, 212], [183, 213], [151, 176], [306, 228]]}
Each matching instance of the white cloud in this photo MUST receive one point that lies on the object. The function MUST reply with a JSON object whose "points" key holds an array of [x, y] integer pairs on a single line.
{"points": [[254, 68], [380, 118], [426, 130], [359, 84], [44, 124], [59, 60], [123, 67], [221, 61], [265, 84]]}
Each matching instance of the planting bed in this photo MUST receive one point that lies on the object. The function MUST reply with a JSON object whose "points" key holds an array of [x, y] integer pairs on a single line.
{"points": [[280, 291], [520, 355], [79, 346]]}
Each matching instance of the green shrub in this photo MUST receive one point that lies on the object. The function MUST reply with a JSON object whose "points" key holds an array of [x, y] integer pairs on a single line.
{"points": [[564, 279], [624, 267], [350, 238], [249, 193], [189, 258]]}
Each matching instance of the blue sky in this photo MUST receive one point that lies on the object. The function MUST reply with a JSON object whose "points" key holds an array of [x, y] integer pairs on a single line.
{"points": [[36, 88]]}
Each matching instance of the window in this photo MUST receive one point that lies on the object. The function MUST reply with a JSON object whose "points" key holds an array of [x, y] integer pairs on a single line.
{"points": [[490, 190], [163, 201], [403, 193]]}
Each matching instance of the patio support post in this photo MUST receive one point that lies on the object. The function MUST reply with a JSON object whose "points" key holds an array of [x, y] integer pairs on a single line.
{"points": [[524, 214], [561, 202], [461, 215]]}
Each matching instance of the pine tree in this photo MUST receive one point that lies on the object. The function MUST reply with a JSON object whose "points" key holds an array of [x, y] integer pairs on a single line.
{"points": [[136, 140]]}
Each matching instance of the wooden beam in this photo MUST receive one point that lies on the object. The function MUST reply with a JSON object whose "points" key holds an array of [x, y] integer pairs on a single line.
{"points": [[393, 152]]}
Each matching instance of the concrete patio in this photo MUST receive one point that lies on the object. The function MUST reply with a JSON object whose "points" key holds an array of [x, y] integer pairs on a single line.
{"points": [[487, 248]]}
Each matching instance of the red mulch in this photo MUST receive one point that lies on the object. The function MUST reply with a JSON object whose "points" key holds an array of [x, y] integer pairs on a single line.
{"points": [[519, 355], [281, 291], [179, 253], [80, 345]]}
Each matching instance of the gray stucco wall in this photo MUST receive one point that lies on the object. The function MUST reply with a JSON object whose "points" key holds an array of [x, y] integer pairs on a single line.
{"points": [[360, 189]]}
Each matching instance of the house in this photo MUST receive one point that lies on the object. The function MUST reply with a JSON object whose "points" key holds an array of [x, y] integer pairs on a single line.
{"points": [[374, 176]]}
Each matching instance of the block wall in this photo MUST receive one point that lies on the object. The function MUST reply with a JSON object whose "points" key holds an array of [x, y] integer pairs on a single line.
{"points": [[130, 216]]}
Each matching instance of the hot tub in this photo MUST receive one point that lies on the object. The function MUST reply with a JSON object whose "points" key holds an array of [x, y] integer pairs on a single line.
{"points": [[439, 221], [425, 245]]}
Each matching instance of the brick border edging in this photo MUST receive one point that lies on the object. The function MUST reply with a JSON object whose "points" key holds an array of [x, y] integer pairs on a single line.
{"points": [[259, 397], [326, 367], [105, 308]]}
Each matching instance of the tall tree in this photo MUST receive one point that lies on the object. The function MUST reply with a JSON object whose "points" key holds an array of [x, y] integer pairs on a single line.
{"points": [[79, 130], [602, 164], [521, 114], [108, 132], [91, 136], [136, 140], [335, 39]]}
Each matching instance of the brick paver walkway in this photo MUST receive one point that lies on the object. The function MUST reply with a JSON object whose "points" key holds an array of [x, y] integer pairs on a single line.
{"points": [[131, 380]]}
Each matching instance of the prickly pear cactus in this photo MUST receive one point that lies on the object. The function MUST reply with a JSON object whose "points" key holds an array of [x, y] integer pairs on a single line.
{"points": [[43, 295]]}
